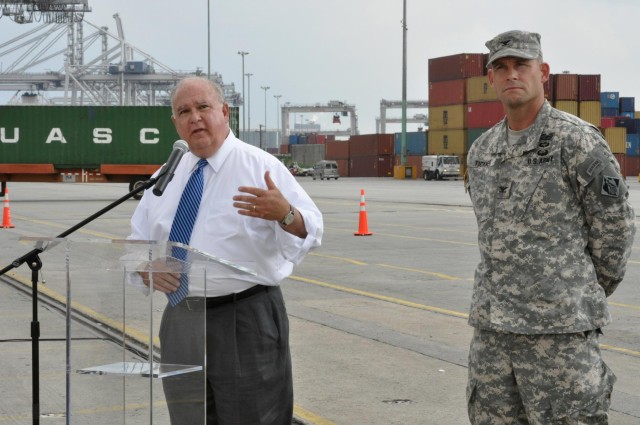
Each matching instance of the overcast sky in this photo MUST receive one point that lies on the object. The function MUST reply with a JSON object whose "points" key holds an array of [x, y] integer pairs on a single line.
{"points": [[351, 50]]}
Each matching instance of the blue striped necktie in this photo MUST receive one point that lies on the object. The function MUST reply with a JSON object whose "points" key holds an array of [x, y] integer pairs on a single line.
{"points": [[183, 226]]}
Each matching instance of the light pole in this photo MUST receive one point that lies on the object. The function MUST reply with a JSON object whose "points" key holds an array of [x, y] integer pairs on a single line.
{"points": [[265, 88], [249, 100], [244, 129], [278, 96]]}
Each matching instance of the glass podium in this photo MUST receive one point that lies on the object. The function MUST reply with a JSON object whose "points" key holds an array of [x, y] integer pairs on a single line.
{"points": [[130, 357]]}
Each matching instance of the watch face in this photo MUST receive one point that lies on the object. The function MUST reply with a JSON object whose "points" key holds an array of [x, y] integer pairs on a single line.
{"points": [[288, 219]]}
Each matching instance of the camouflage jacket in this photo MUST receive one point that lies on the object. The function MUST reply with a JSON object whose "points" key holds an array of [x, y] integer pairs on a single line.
{"points": [[555, 227]]}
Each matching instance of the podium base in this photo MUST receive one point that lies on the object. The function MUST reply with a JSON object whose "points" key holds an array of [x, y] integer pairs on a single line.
{"points": [[141, 369]]}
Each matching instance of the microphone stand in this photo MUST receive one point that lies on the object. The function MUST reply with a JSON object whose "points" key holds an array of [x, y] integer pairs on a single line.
{"points": [[32, 259]]}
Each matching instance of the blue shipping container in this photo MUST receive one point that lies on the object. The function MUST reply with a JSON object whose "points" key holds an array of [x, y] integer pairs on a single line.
{"points": [[610, 112], [416, 142], [633, 144], [293, 139], [610, 99], [627, 104]]}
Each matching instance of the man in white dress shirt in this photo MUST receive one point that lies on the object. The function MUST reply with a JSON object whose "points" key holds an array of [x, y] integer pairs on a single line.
{"points": [[252, 211]]}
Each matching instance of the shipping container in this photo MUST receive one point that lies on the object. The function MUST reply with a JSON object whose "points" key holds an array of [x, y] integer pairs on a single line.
{"points": [[343, 167], [456, 67], [416, 143], [472, 135], [479, 90], [633, 145], [566, 87], [293, 139], [627, 104], [632, 166], [371, 144], [610, 112], [446, 117], [616, 138], [570, 106], [337, 149], [631, 124], [483, 114], [610, 99], [284, 149], [547, 86], [606, 122], [371, 166], [589, 111], [623, 161], [450, 92], [589, 88], [449, 142], [307, 155]]}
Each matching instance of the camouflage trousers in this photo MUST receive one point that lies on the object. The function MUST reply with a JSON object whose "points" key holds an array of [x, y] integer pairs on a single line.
{"points": [[537, 379]]}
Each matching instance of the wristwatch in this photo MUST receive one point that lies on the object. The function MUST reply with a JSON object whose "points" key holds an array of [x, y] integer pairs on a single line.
{"points": [[288, 219]]}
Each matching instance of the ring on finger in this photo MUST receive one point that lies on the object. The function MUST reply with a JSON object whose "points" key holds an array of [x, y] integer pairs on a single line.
{"points": [[254, 207]]}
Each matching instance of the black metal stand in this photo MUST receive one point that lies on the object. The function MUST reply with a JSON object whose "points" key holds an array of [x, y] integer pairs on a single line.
{"points": [[32, 258]]}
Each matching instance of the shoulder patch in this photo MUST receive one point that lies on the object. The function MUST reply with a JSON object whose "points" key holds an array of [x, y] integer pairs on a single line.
{"points": [[610, 186]]}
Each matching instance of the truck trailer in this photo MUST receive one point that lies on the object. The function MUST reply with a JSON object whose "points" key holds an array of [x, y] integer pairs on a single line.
{"points": [[94, 144]]}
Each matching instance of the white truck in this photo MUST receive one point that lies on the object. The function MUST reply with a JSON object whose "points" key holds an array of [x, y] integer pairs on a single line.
{"points": [[438, 167]]}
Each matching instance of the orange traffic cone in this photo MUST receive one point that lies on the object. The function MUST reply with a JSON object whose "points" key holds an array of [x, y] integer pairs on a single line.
{"points": [[363, 226], [6, 214]]}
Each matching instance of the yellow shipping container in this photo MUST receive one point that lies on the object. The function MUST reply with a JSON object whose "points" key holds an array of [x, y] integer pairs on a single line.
{"points": [[449, 142], [570, 106], [590, 111], [636, 114], [616, 137], [446, 117], [479, 90]]}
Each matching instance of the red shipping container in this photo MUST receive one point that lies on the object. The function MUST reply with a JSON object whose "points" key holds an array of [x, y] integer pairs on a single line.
{"points": [[483, 114], [632, 165], [336, 150], [284, 149], [566, 87], [363, 166], [589, 87], [456, 67], [371, 144], [548, 88], [452, 92], [385, 166], [607, 122], [312, 139], [343, 167]]}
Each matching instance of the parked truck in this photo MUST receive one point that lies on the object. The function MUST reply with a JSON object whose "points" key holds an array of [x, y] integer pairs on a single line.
{"points": [[95, 144], [438, 167]]}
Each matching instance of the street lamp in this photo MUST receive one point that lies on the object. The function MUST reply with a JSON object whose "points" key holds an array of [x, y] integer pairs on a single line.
{"points": [[249, 100], [243, 54], [278, 96], [265, 88]]}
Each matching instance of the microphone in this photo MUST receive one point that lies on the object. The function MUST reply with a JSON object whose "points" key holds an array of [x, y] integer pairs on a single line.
{"points": [[180, 147]]}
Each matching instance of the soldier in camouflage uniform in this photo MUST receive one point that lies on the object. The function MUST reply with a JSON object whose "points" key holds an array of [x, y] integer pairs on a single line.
{"points": [[555, 232]]}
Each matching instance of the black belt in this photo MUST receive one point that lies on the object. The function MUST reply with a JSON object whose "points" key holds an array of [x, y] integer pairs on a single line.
{"points": [[196, 303]]}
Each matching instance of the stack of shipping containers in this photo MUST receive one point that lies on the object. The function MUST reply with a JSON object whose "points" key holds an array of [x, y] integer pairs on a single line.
{"points": [[621, 126], [416, 143], [338, 150], [371, 155]]}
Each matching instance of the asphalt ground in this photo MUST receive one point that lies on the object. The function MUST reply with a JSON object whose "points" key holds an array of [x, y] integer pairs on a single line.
{"points": [[378, 323]]}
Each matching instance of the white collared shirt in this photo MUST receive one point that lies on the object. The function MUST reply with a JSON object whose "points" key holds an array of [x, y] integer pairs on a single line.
{"points": [[220, 230]]}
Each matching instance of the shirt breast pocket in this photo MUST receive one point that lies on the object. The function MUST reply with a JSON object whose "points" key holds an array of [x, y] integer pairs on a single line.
{"points": [[531, 196]]}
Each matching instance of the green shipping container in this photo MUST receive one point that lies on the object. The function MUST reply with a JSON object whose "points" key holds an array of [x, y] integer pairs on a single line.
{"points": [[86, 136]]}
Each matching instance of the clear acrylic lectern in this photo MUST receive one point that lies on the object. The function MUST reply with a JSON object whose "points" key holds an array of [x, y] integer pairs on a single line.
{"points": [[114, 369]]}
